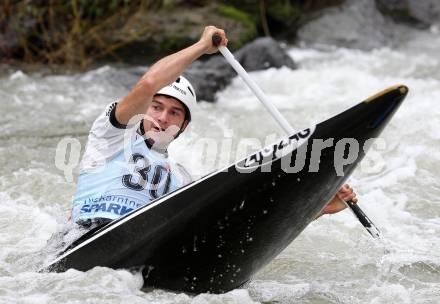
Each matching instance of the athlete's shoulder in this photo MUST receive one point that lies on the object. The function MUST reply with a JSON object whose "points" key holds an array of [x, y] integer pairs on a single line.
{"points": [[106, 124], [106, 138]]}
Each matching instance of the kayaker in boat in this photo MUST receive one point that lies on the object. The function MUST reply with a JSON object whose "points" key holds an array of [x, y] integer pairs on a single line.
{"points": [[126, 164]]}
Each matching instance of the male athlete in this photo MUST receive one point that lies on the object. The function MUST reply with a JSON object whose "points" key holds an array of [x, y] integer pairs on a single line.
{"points": [[126, 164]]}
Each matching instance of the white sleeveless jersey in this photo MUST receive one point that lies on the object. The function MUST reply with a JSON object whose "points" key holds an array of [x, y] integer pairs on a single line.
{"points": [[120, 172]]}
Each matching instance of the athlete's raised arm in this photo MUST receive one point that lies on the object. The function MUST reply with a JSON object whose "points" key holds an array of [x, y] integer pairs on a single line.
{"points": [[164, 72]]}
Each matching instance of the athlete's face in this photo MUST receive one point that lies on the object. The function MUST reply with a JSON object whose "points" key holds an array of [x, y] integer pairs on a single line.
{"points": [[166, 118]]}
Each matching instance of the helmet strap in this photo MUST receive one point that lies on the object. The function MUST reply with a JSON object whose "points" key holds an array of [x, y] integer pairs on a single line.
{"points": [[181, 129]]}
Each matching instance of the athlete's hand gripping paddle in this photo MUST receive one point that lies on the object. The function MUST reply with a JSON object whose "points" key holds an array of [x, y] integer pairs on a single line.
{"points": [[365, 221]]}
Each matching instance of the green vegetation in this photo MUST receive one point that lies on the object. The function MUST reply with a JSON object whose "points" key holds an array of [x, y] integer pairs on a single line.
{"points": [[78, 33], [236, 14], [284, 13], [250, 30], [66, 32]]}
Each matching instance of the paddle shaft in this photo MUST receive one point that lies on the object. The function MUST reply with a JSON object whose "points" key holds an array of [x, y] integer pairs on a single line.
{"points": [[365, 221], [363, 218], [254, 87]]}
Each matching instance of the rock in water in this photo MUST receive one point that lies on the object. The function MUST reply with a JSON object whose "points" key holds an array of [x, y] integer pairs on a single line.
{"points": [[263, 53], [215, 74], [356, 24], [422, 13]]}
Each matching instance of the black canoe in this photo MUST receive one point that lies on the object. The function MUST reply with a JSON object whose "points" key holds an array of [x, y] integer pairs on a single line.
{"points": [[215, 233]]}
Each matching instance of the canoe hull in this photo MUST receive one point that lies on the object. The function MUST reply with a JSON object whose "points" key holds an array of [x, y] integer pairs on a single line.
{"points": [[215, 233]]}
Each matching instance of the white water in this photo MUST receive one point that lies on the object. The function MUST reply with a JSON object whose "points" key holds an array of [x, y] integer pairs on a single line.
{"points": [[333, 261]]}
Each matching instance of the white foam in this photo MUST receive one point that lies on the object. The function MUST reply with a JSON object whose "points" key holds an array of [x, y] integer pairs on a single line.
{"points": [[334, 260]]}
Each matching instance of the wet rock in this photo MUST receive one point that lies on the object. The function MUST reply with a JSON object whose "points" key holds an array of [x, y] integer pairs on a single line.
{"points": [[356, 24], [215, 74], [263, 53], [414, 12], [210, 76]]}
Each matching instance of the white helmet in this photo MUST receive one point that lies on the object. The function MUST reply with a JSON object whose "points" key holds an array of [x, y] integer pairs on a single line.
{"points": [[183, 91]]}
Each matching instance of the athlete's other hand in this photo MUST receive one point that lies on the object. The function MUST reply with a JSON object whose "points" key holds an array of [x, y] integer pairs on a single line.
{"points": [[206, 39], [337, 204]]}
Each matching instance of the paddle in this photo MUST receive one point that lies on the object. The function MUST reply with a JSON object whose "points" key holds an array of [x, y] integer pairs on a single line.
{"points": [[365, 221]]}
